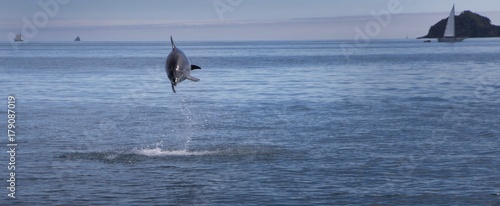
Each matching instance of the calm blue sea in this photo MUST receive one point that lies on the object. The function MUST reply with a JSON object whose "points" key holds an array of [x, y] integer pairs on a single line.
{"points": [[386, 122]]}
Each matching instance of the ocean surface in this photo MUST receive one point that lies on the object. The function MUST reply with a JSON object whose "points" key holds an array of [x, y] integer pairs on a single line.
{"points": [[385, 122]]}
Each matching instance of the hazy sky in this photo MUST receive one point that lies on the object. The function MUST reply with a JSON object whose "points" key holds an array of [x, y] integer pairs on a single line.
{"points": [[155, 20]]}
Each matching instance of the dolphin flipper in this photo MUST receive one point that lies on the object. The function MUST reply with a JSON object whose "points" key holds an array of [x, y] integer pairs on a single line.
{"points": [[194, 79], [193, 67]]}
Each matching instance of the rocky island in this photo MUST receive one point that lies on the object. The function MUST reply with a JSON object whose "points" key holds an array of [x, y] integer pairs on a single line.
{"points": [[467, 24]]}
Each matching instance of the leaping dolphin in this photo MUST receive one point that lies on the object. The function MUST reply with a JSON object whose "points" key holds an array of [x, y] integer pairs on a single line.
{"points": [[178, 67]]}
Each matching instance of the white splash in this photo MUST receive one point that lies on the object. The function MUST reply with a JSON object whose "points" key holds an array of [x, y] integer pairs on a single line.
{"points": [[111, 156], [155, 152]]}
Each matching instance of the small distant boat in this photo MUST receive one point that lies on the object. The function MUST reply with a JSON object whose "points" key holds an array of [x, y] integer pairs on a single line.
{"points": [[427, 41], [18, 37], [77, 38], [449, 31]]}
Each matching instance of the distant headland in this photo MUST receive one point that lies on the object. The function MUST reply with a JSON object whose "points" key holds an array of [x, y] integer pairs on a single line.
{"points": [[467, 24]]}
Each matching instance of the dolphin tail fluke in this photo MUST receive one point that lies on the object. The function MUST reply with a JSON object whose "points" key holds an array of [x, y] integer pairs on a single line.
{"points": [[193, 67], [194, 79], [173, 88], [172, 41]]}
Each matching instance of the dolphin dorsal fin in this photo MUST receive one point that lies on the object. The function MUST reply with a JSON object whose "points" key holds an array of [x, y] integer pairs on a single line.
{"points": [[172, 41]]}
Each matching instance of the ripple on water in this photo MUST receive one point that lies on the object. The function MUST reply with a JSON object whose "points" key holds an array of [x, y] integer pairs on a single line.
{"points": [[143, 154]]}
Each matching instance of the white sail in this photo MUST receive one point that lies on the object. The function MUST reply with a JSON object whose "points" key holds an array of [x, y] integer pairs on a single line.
{"points": [[18, 37], [450, 25]]}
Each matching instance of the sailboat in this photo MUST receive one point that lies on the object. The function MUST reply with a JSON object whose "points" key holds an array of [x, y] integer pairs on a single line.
{"points": [[18, 37], [77, 38], [449, 31]]}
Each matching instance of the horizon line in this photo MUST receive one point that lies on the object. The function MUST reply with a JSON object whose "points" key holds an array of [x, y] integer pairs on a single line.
{"points": [[240, 40]]}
